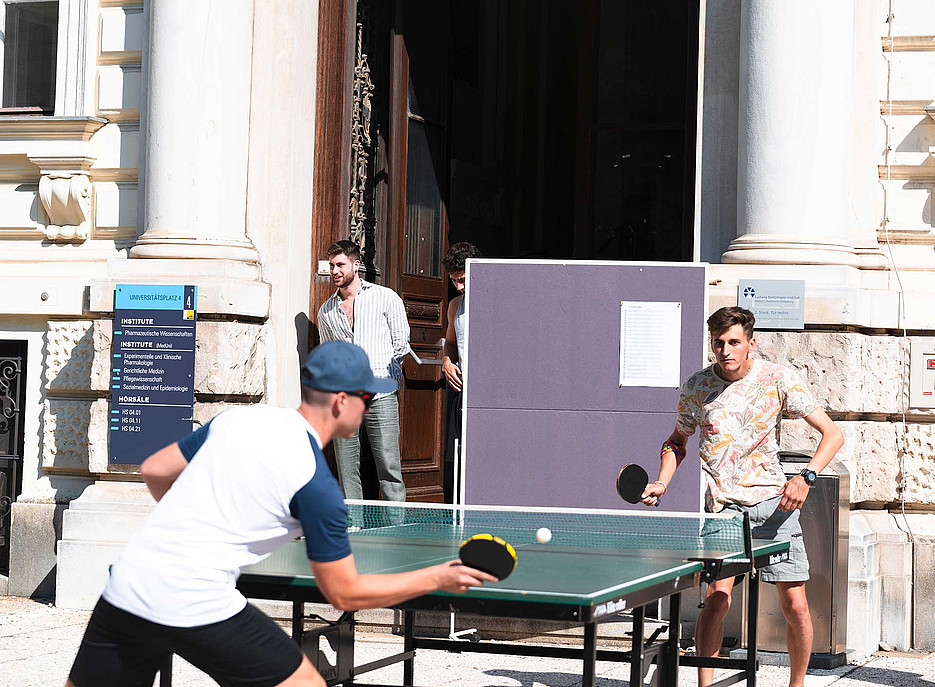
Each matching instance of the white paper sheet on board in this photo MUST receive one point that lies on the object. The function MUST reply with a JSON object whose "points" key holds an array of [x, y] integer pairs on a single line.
{"points": [[650, 343]]}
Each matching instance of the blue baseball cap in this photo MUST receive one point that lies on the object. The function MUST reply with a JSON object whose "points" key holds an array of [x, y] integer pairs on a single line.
{"points": [[341, 366]]}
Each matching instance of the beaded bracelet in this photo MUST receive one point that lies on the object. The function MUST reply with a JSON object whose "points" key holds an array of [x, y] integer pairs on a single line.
{"points": [[665, 487]]}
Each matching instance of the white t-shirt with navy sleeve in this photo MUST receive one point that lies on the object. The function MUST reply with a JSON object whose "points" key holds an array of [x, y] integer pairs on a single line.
{"points": [[257, 479]]}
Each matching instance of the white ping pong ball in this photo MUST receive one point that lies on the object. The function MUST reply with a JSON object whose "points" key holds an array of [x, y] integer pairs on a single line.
{"points": [[543, 535]]}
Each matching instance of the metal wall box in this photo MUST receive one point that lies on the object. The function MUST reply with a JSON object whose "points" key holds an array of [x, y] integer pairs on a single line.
{"points": [[825, 527]]}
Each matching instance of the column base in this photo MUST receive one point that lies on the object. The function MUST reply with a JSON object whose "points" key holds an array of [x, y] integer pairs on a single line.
{"points": [[225, 287], [189, 248], [94, 529], [789, 250]]}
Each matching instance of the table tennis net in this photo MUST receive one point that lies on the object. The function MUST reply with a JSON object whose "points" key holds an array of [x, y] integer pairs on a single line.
{"points": [[569, 527]]}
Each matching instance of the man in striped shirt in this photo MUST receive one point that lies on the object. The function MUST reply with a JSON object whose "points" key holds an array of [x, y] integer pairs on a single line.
{"points": [[373, 317]]}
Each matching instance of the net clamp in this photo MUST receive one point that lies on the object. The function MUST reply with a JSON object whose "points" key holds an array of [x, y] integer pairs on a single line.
{"points": [[711, 572]]}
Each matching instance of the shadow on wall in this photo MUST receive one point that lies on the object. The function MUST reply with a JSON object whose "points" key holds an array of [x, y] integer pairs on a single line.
{"points": [[927, 217], [918, 139], [303, 342]]}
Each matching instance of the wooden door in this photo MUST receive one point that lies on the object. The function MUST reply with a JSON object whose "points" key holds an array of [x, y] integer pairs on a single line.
{"points": [[418, 228]]}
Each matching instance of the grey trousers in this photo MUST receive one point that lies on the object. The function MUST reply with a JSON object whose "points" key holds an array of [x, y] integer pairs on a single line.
{"points": [[382, 426]]}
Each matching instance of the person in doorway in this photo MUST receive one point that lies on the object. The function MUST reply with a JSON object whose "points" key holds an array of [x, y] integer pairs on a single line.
{"points": [[374, 318], [738, 404], [453, 356], [228, 495]]}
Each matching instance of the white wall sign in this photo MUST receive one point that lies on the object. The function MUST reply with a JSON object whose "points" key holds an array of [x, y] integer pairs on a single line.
{"points": [[776, 303]]}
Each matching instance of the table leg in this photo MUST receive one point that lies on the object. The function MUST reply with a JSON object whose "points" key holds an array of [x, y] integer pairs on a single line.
{"points": [[636, 654], [590, 655], [753, 612], [672, 643], [409, 644], [298, 621], [165, 673]]}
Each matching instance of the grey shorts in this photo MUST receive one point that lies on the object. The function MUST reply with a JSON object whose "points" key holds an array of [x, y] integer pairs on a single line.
{"points": [[770, 523]]}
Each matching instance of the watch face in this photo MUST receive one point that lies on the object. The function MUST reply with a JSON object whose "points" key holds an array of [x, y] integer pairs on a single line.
{"points": [[810, 476]]}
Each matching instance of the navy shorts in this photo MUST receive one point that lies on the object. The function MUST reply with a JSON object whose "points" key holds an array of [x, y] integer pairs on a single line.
{"points": [[120, 648]]}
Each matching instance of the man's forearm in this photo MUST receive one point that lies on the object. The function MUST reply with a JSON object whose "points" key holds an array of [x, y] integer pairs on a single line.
{"points": [[827, 447], [831, 440], [381, 590], [668, 463]]}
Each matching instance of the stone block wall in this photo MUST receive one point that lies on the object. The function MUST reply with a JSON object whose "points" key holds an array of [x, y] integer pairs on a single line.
{"points": [[861, 379], [862, 382], [230, 369]]}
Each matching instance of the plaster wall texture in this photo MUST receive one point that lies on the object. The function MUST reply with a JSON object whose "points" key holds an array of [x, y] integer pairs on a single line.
{"points": [[865, 197], [720, 103], [281, 165], [792, 146], [914, 18], [922, 528], [196, 124], [880, 583]]}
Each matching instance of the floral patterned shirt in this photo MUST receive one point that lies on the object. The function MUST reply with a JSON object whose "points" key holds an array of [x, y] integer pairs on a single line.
{"points": [[739, 424]]}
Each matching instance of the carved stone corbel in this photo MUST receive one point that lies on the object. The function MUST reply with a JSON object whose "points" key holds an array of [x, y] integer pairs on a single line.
{"points": [[65, 193]]}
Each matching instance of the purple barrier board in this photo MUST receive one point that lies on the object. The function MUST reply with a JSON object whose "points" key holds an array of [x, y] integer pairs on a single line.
{"points": [[546, 421]]}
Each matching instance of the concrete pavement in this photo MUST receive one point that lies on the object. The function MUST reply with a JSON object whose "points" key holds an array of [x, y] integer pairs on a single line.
{"points": [[38, 642]]}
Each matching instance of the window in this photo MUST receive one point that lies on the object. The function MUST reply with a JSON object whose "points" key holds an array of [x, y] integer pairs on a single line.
{"points": [[30, 41]]}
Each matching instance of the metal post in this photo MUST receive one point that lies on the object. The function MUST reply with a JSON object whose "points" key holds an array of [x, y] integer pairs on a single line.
{"points": [[672, 644], [636, 654], [590, 655], [298, 621], [165, 673], [409, 644], [753, 611]]}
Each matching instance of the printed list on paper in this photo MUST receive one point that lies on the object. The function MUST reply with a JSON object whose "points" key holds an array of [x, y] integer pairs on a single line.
{"points": [[650, 343]]}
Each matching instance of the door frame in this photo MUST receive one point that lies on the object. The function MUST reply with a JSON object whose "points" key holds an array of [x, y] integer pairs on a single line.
{"points": [[337, 20]]}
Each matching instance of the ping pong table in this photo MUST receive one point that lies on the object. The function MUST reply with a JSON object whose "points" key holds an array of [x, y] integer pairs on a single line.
{"points": [[598, 565]]}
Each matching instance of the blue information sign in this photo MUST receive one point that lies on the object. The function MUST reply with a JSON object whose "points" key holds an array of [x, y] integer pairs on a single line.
{"points": [[153, 369]]}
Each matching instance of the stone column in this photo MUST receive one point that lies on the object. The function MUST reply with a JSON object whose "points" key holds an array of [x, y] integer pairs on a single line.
{"points": [[196, 123], [794, 133]]}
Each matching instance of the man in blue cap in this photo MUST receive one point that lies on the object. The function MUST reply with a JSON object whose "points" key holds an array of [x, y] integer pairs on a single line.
{"points": [[229, 494]]}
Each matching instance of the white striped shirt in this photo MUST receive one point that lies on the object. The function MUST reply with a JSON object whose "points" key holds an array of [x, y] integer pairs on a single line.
{"points": [[380, 328]]}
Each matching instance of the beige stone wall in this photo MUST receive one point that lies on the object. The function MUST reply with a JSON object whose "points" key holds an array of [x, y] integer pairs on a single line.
{"points": [[862, 381], [230, 369]]}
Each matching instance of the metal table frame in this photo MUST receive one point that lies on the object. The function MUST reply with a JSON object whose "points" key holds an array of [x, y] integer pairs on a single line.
{"points": [[645, 653]]}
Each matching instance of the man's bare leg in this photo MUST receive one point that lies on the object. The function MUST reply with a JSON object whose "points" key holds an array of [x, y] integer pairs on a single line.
{"points": [[304, 676], [798, 629], [709, 628]]}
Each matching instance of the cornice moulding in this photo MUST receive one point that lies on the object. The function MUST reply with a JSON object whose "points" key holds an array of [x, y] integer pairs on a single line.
{"points": [[924, 173], [918, 108], [120, 57], [907, 237], [44, 128], [908, 44], [49, 164]]}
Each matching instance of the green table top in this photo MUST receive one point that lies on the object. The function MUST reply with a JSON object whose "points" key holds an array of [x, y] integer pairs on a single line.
{"points": [[544, 572]]}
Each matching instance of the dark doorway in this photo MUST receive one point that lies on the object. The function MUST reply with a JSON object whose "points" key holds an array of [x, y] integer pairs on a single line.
{"points": [[558, 129], [573, 127]]}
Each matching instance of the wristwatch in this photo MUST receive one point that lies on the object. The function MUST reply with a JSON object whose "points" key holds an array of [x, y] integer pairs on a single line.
{"points": [[809, 476]]}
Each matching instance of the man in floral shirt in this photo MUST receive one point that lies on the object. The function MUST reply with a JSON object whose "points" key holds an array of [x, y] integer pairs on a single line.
{"points": [[738, 403]]}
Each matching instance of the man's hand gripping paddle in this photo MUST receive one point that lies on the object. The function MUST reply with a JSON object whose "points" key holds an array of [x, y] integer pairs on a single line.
{"points": [[632, 482], [488, 554]]}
